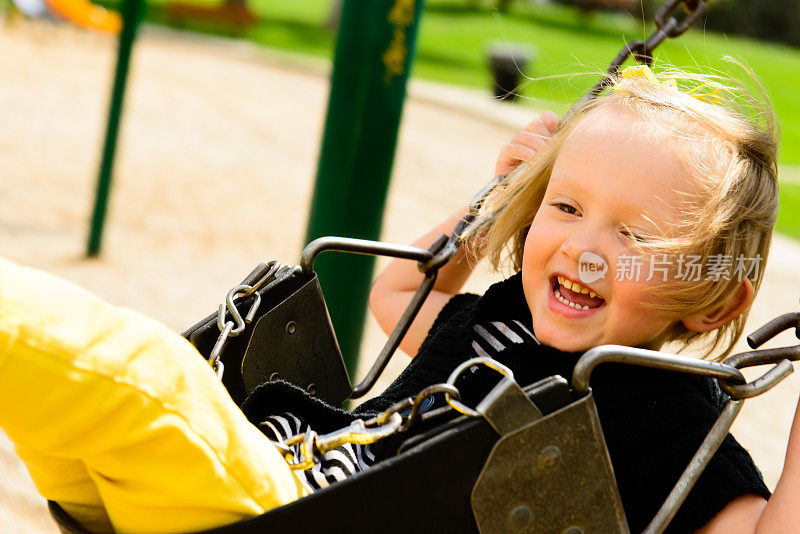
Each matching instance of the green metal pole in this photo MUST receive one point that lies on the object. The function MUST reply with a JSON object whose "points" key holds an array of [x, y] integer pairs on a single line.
{"points": [[374, 52], [131, 13]]}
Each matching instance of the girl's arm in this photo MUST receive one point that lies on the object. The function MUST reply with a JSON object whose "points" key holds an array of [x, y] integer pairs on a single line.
{"points": [[781, 514], [395, 286]]}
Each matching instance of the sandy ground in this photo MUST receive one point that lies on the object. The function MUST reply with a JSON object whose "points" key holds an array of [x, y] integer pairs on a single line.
{"points": [[216, 163]]}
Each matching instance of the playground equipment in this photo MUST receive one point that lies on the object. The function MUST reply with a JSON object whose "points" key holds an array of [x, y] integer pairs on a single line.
{"points": [[88, 15], [275, 325], [81, 12]]}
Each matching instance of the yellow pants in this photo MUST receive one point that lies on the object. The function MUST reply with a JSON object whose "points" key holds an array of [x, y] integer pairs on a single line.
{"points": [[120, 420]]}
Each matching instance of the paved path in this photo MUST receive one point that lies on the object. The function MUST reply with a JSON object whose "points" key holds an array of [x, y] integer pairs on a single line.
{"points": [[216, 162]]}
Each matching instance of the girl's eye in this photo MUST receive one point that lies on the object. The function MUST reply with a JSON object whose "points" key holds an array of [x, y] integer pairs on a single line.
{"points": [[566, 208], [633, 236]]}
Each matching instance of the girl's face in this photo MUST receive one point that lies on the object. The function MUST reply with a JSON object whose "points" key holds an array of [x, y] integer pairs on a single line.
{"points": [[614, 182]]}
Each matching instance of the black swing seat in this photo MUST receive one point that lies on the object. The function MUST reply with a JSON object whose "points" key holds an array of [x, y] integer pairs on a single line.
{"points": [[470, 475]]}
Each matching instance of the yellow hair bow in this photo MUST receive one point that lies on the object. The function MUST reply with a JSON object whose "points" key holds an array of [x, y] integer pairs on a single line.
{"points": [[643, 72]]}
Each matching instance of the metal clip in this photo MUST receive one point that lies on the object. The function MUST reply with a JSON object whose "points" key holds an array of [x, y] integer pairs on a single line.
{"points": [[360, 433], [488, 362], [306, 458], [312, 444], [780, 358]]}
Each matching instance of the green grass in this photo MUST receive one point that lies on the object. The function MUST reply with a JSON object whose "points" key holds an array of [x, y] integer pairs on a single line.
{"points": [[570, 49], [789, 215], [569, 46]]}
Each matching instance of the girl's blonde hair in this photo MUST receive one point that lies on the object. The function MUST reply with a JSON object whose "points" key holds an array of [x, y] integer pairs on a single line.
{"points": [[728, 141]]}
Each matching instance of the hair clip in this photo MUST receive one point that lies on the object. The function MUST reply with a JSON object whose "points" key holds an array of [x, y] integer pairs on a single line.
{"points": [[643, 72]]}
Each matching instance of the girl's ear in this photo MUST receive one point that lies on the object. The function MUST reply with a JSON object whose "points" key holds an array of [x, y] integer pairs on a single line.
{"points": [[727, 311]]}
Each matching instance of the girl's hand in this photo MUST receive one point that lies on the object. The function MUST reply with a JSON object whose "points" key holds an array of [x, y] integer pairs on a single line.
{"points": [[526, 143]]}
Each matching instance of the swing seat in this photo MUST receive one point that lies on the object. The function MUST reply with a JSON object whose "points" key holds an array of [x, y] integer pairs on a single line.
{"points": [[470, 475]]}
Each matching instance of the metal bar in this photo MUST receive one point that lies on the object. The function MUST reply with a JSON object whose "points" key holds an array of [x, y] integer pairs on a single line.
{"points": [[374, 53], [773, 328], [131, 13], [648, 358], [760, 385], [695, 468], [754, 358], [358, 246], [399, 331], [377, 248]]}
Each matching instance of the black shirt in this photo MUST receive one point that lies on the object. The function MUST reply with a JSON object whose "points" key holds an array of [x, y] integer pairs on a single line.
{"points": [[653, 420]]}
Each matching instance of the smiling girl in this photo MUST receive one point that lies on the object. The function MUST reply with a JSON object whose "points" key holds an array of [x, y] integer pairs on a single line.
{"points": [[601, 225]]}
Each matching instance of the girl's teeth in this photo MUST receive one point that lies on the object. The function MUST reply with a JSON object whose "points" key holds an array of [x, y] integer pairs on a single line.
{"points": [[574, 286], [569, 303]]}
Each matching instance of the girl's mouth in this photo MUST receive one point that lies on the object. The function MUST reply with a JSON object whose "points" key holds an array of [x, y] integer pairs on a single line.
{"points": [[575, 295]]}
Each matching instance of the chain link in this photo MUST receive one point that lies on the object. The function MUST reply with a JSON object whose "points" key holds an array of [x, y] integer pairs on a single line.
{"points": [[444, 248], [449, 391], [310, 445], [234, 327], [694, 10], [667, 27]]}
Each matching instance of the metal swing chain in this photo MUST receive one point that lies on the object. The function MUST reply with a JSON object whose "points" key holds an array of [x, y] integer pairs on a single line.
{"points": [[738, 391], [667, 26], [311, 445], [236, 325]]}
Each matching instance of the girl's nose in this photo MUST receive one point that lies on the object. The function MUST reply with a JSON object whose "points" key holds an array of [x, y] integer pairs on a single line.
{"points": [[581, 241], [586, 255]]}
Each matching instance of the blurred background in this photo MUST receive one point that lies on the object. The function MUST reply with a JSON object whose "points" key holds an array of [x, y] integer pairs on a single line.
{"points": [[188, 140]]}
